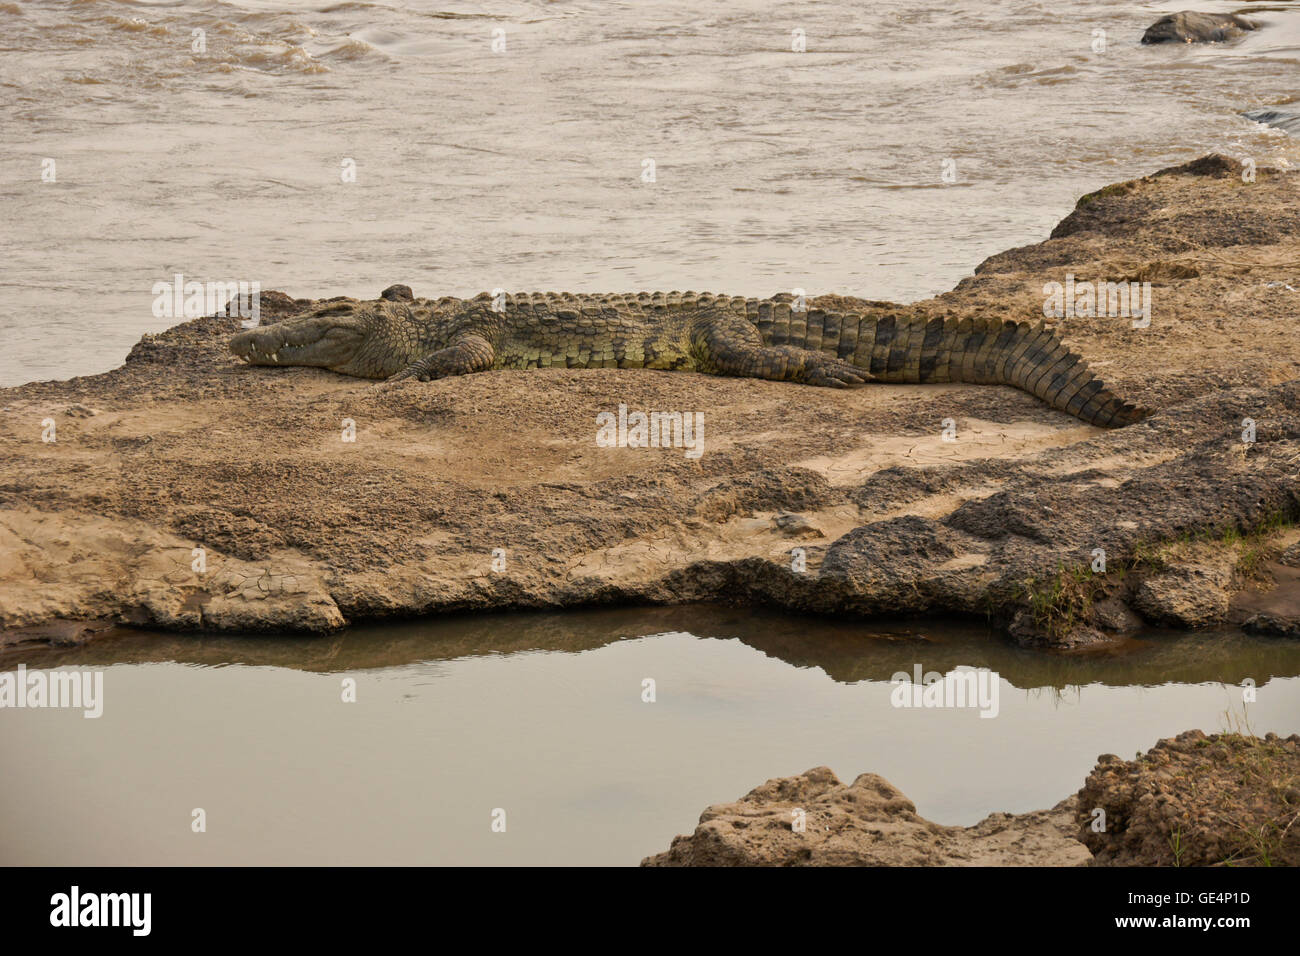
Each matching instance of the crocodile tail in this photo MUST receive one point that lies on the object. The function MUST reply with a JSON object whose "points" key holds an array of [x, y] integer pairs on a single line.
{"points": [[917, 349], [1037, 361]]}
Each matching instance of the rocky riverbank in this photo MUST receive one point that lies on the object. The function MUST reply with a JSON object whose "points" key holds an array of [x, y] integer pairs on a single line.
{"points": [[1192, 800], [190, 492]]}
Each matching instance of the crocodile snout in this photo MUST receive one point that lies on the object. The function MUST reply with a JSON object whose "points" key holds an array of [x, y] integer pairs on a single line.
{"points": [[322, 339], [258, 346]]}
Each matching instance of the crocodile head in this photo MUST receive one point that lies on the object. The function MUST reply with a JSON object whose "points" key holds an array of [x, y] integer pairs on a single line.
{"points": [[345, 336]]}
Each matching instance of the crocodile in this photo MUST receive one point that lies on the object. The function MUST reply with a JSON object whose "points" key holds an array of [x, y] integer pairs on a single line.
{"points": [[399, 337]]}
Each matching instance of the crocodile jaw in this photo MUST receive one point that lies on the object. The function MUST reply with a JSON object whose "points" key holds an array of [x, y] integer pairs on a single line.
{"points": [[318, 341]]}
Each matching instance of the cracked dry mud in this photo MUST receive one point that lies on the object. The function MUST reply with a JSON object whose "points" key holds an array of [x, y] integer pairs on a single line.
{"points": [[184, 447]]}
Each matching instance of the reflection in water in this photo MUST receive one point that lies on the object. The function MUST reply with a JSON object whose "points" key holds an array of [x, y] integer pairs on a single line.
{"points": [[847, 650], [542, 716]]}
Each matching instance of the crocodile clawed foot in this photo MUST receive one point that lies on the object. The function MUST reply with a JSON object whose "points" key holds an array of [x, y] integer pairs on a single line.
{"points": [[828, 372]]}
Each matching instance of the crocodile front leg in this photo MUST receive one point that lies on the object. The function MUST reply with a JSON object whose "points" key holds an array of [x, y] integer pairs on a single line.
{"points": [[734, 346], [466, 354]]}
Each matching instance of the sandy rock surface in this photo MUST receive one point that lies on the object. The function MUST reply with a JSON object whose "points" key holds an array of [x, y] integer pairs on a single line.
{"points": [[866, 823], [1197, 800], [184, 448], [1192, 800], [1193, 593]]}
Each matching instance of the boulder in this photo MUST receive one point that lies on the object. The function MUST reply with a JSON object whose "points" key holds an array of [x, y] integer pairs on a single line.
{"points": [[1195, 800], [1272, 624], [1190, 26], [815, 820], [1286, 120], [1193, 594]]}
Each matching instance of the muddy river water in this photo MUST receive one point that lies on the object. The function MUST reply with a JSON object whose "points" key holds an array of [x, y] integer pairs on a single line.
{"points": [[334, 148]]}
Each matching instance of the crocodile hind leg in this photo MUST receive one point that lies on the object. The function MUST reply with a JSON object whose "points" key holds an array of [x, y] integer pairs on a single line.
{"points": [[731, 345], [465, 355]]}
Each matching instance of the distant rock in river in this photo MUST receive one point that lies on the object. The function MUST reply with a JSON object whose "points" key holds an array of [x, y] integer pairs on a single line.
{"points": [[1190, 26], [1282, 119]]}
